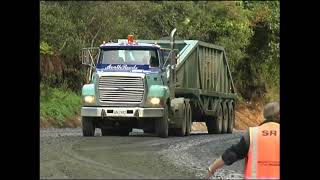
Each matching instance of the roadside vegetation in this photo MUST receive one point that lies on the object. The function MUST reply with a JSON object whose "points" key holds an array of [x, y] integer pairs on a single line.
{"points": [[57, 106]]}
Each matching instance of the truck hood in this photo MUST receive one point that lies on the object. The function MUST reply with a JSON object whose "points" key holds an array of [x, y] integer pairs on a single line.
{"points": [[135, 68]]}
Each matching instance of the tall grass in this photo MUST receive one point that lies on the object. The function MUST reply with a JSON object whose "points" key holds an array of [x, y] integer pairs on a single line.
{"points": [[58, 104]]}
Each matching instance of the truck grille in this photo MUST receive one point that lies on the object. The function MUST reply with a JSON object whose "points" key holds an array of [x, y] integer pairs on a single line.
{"points": [[120, 90]]}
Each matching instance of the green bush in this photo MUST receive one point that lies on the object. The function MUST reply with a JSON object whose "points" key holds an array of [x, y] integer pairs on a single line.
{"points": [[45, 48], [58, 104]]}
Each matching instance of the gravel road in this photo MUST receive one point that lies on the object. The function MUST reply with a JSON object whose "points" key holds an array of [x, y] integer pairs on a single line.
{"points": [[64, 153]]}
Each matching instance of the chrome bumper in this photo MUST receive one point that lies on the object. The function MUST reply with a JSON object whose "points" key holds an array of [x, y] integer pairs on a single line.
{"points": [[121, 112]]}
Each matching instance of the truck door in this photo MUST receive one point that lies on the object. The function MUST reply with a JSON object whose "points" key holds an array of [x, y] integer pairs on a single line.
{"points": [[165, 59]]}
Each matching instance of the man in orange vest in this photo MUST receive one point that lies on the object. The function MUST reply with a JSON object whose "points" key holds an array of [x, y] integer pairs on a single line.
{"points": [[260, 146]]}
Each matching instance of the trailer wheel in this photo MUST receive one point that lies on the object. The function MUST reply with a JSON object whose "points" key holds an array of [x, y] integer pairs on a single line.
{"points": [[88, 126], [225, 119], [231, 119], [189, 119], [162, 124], [214, 125]]}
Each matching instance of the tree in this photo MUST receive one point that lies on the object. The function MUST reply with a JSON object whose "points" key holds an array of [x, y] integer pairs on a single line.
{"points": [[248, 30]]}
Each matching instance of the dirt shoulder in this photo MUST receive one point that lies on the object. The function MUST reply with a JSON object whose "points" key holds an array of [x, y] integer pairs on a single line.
{"points": [[248, 115]]}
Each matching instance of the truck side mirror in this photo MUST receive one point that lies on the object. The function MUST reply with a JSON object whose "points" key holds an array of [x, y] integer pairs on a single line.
{"points": [[88, 56], [86, 59], [165, 54]]}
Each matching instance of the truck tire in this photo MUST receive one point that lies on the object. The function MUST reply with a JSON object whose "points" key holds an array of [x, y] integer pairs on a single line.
{"points": [[189, 119], [225, 119], [182, 131], [214, 125], [88, 126], [162, 124], [231, 119]]}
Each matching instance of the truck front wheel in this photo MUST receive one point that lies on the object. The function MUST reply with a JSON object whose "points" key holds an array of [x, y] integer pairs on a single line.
{"points": [[88, 126], [182, 131], [162, 123], [189, 119]]}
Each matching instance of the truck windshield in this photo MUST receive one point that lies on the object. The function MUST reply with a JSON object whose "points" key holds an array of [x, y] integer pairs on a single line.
{"points": [[129, 56]]}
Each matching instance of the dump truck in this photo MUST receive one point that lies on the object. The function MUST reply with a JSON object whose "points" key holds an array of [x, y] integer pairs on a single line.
{"points": [[160, 86]]}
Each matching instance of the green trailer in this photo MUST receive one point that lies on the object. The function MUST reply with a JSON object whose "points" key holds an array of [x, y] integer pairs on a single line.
{"points": [[186, 81]]}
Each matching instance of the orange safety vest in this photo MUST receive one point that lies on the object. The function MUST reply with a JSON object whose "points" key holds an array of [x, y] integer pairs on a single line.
{"points": [[263, 159]]}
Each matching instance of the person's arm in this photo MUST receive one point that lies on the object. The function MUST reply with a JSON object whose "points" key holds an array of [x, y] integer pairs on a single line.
{"points": [[231, 155], [214, 166], [238, 151]]}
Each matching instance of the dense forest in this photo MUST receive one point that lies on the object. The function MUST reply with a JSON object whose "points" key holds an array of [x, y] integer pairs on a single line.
{"points": [[248, 30]]}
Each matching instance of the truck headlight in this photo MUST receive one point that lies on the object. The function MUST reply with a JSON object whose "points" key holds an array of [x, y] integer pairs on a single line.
{"points": [[155, 101], [89, 99]]}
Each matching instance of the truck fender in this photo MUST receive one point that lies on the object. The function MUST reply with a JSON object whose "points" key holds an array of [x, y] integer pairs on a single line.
{"points": [[159, 91], [88, 90]]}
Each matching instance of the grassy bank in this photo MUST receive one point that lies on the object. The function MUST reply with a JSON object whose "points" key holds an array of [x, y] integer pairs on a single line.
{"points": [[57, 106]]}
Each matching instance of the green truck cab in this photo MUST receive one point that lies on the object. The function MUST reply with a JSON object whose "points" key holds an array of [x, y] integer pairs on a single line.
{"points": [[157, 86]]}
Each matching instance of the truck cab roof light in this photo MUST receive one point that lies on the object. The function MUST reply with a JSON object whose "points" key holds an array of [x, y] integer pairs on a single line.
{"points": [[130, 39]]}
